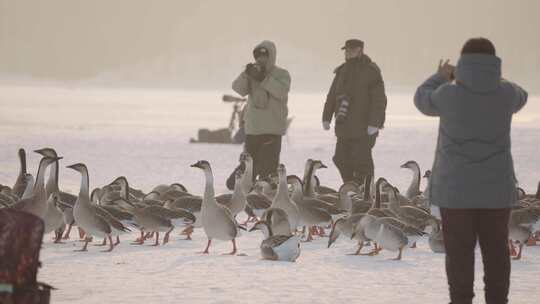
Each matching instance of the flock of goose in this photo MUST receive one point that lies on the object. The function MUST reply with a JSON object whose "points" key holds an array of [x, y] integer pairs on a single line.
{"points": [[287, 210]]}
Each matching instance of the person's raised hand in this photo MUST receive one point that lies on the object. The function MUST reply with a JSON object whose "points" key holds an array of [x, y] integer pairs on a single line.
{"points": [[446, 70]]}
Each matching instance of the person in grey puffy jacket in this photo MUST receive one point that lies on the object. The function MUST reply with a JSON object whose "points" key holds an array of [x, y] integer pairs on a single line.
{"points": [[473, 180]]}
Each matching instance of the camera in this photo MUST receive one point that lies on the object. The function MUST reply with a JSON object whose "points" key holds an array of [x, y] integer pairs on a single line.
{"points": [[343, 109]]}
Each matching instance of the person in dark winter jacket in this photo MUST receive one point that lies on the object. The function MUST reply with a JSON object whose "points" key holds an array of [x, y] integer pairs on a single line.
{"points": [[473, 179], [357, 99]]}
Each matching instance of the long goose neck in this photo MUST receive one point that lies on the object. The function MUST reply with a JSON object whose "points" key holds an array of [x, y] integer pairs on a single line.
{"points": [[297, 193], [40, 178], [84, 192], [238, 192], [249, 168], [266, 230], [307, 179], [270, 232], [426, 191], [393, 202], [247, 177], [125, 190], [414, 187], [52, 182], [209, 184], [28, 190], [283, 190], [22, 158]]}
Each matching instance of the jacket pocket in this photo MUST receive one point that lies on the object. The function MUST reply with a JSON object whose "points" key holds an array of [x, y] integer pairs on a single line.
{"points": [[260, 99]]}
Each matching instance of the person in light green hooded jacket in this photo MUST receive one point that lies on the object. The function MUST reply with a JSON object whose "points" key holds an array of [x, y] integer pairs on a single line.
{"points": [[267, 87]]}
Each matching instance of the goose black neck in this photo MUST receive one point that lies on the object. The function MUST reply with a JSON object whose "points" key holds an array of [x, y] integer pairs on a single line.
{"points": [[41, 171], [307, 178], [270, 232], [22, 157]]}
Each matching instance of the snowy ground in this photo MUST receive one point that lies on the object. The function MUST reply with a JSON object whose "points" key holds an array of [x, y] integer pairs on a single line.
{"points": [[144, 135]]}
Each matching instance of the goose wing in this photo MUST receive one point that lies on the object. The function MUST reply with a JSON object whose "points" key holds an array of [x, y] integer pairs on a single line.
{"points": [[191, 203], [170, 213], [258, 201], [109, 218]]}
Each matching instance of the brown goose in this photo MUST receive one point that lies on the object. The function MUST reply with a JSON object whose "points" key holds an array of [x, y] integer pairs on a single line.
{"points": [[411, 215], [346, 226], [20, 183], [94, 220], [414, 187]]}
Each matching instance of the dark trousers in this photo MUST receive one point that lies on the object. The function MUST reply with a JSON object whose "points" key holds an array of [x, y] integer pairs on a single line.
{"points": [[265, 150], [462, 228], [353, 157]]}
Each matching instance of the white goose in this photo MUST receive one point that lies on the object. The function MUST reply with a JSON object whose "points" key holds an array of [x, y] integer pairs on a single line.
{"points": [[217, 220], [283, 201], [277, 247]]}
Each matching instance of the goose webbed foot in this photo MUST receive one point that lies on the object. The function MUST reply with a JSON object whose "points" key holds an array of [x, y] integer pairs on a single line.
{"points": [[117, 241]]}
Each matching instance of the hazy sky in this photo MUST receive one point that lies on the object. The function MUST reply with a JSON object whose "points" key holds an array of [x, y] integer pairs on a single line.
{"points": [[205, 44]]}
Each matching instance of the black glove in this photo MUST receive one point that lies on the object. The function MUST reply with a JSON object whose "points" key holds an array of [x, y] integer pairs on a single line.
{"points": [[255, 71]]}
